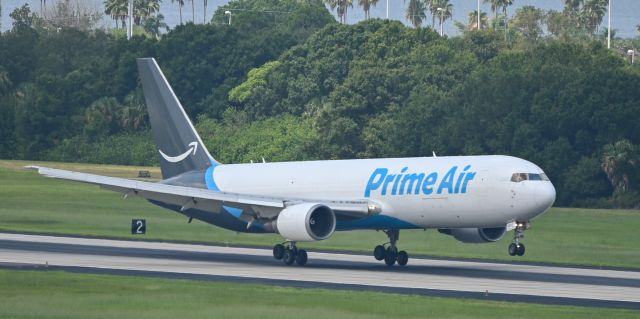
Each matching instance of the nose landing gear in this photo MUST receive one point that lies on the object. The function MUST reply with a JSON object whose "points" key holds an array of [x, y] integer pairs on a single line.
{"points": [[289, 253], [517, 248], [390, 253]]}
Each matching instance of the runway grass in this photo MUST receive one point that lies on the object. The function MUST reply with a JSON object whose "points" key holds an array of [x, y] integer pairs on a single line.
{"points": [[32, 203], [32, 294]]}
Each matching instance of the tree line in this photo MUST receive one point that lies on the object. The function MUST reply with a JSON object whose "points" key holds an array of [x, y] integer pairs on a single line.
{"points": [[306, 87]]}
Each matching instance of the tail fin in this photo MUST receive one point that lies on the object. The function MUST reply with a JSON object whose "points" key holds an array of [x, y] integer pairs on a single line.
{"points": [[180, 148]]}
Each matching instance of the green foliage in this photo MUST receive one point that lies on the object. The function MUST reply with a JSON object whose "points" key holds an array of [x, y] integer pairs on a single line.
{"points": [[620, 163], [23, 17], [66, 86], [135, 148], [204, 62], [276, 139], [256, 77], [529, 21]]}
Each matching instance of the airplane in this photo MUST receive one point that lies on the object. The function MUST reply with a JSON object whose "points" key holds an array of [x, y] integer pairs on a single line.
{"points": [[475, 199]]}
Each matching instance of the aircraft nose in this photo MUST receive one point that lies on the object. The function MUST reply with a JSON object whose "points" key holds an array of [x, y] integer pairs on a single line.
{"points": [[546, 195]]}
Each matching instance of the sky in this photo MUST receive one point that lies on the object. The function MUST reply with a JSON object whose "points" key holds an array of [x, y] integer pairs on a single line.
{"points": [[625, 14]]}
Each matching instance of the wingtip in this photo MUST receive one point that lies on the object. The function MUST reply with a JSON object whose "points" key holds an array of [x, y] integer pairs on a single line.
{"points": [[32, 168]]}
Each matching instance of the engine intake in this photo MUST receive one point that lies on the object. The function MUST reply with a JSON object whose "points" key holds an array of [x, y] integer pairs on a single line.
{"points": [[476, 235], [306, 222]]}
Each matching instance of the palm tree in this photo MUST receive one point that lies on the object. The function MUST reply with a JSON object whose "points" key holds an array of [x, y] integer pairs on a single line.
{"points": [[341, 7], [193, 11], [444, 11], [473, 20], [495, 5], [180, 5], [204, 13], [118, 10], [618, 161], [132, 115], [505, 4], [416, 12], [143, 9], [43, 7], [572, 5], [593, 11], [433, 9], [366, 6], [154, 24]]}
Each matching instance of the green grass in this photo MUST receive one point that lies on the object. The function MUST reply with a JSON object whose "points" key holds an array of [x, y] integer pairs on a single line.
{"points": [[31, 203], [31, 294]]}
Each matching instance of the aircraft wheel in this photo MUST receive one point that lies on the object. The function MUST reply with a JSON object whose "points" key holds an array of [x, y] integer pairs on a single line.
{"points": [[390, 257], [278, 251], [301, 257], [288, 257], [513, 249], [403, 258], [520, 250], [379, 252]]}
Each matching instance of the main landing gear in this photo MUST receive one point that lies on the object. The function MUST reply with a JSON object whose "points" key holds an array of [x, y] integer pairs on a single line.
{"points": [[390, 253], [516, 247], [289, 253]]}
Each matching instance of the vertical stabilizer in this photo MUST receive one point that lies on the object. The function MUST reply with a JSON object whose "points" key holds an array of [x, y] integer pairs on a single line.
{"points": [[179, 146]]}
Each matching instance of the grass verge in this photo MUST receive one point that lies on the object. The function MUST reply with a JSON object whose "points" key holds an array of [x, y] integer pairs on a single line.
{"points": [[33, 294], [32, 203]]}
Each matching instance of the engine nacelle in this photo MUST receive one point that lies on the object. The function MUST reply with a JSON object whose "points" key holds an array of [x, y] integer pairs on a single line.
{"points": [[476, 235], [306, 222]]}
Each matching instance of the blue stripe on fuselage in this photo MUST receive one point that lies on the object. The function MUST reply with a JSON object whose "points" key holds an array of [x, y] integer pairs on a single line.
{"points": [[375, 222], [208, 177], [236, 212]]}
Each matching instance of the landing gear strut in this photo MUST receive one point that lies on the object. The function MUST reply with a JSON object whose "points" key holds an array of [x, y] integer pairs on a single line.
{"points": [[390, 254], [289, 253], [516, 247]]}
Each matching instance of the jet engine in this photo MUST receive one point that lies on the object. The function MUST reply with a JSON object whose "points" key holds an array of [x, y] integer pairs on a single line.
{"points": [[305, 222], [476, 235]]}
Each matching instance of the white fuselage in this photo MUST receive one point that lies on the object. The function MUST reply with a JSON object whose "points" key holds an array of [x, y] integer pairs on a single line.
{"points": [[427, 192]]}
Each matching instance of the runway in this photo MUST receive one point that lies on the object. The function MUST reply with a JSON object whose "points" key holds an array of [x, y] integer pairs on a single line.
{"points": [[436, 277]]}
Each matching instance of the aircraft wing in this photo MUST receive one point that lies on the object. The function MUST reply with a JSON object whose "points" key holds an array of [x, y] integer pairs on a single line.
{"points": [[191, 197]]}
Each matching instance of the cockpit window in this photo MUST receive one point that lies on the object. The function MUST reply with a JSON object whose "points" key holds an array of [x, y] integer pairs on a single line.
{"points": [[519, 177]]}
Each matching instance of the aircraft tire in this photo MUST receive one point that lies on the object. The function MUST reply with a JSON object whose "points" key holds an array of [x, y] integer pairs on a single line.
{"points": [[301, 257], [403, 258], [390, 257], [513, 249], [278, 251], [288, 257], [520, 250], [379, 252]]}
